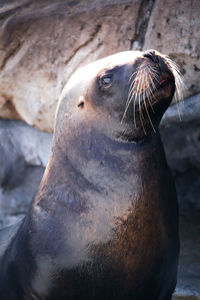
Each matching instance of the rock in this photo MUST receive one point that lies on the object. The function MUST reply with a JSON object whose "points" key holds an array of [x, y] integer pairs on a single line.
{"points": [[24, 140], [14, 202], [173, 29], [6, 236], [43, 43], [188, 285], [181, 135], [24, 153], [181, 138], [11, 161]]}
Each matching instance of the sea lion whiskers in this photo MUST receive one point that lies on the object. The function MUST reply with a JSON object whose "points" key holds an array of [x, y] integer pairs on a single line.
{"points": [[142, 87], [131, 92], [179, 85], [132, 76], [134, 115], [146, 108], [139, 88], [129, 99], [149, 95], [131, 89], [178, 96], [146, 88], [145, 95]]}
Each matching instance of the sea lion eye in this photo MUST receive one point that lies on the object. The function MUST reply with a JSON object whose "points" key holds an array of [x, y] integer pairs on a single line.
{"points": [[106, 80]]}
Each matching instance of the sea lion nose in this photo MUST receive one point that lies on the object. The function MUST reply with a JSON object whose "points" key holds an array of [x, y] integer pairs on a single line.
{"points": [[152, 55]]}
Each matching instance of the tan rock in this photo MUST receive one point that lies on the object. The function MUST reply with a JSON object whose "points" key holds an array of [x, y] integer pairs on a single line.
{"points": [[173, 29], [43, 42]]}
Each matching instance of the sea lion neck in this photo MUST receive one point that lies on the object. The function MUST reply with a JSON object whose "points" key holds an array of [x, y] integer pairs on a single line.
{"points": [[85, 161]]}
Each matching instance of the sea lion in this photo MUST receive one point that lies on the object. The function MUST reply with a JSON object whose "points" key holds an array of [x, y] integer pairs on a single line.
{"points": [[104, 222]]}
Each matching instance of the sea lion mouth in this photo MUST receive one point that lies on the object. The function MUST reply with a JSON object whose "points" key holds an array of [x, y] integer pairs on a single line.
{"points": [[164, 81], [164, 87], [153, 82]]}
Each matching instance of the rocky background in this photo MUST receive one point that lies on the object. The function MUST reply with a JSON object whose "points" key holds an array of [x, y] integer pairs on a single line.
{"points": [[43, 42]]}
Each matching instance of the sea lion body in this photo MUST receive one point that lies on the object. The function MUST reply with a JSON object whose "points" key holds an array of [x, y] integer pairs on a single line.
{"points": [[104, 222]]}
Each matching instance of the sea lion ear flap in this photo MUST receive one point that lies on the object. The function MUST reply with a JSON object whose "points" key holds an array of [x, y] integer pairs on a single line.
{"points": [[81, 102]]}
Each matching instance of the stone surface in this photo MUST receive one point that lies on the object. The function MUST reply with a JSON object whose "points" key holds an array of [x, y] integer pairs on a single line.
{"points": [[24, 154], [43, 42], [173, 29], [33, 145], [188, 285], [180, 131]]}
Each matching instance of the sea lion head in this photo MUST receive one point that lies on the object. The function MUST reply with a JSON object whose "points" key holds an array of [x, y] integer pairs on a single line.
{"points": [[123, 95]]}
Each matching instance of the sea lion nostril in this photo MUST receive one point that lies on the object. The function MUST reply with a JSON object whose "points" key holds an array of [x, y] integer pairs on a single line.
{"points": [[151, 54]]}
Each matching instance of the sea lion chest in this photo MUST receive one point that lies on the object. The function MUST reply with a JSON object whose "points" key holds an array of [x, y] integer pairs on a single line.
{"points": [[110, 219]]}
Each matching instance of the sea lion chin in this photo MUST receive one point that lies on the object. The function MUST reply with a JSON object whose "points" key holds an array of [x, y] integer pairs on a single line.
{"points": [[104, 222]]}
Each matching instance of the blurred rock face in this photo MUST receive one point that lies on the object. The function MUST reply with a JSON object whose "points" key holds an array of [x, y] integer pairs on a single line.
{"points": [[43, 42], [180, 132], [173, 29], [24, 153]]}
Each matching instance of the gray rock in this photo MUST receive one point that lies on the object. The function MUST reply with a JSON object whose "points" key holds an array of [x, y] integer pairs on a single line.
{"points": [[7, 234], [24, 153], [44, 42], [14, 202], [173, 29], [188, 285], [11, 161], [21, 139], [181, 138]]}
